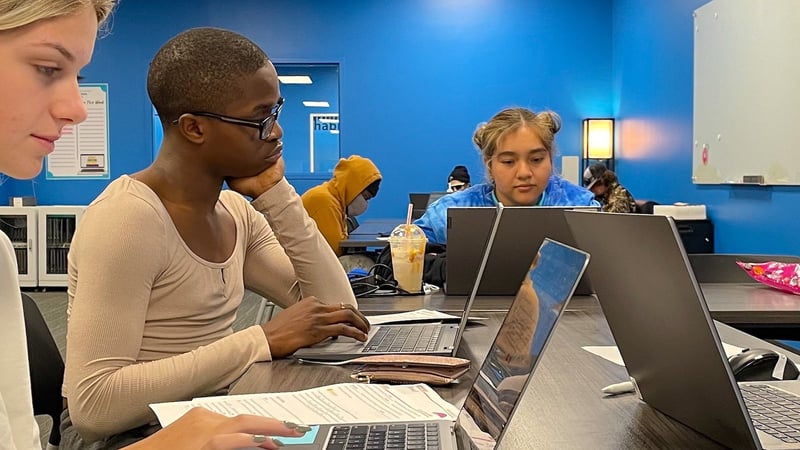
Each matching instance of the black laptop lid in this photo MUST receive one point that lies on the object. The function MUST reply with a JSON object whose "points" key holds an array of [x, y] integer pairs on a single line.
{"points": [[510, 362], [420, 202], [660, 322], [520, 233]]}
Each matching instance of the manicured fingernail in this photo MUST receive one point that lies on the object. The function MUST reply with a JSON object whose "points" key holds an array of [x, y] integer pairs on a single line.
{"points": [[259, 438], [278, 442], [302, 429], [290, 425]]}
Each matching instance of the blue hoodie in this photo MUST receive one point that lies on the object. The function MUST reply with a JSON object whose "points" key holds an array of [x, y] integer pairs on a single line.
{"points": [[559, 192]]}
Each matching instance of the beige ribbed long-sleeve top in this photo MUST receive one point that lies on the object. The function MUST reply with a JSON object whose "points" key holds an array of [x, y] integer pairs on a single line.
{"points": [[150, 321]]}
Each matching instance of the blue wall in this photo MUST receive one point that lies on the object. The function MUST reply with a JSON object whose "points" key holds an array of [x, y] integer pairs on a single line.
{"points": [[294, 118], [653, 88], [416, 76], [5, 190]]}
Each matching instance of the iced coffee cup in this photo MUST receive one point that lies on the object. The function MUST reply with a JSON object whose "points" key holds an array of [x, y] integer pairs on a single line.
{"points": [[408, 256]]}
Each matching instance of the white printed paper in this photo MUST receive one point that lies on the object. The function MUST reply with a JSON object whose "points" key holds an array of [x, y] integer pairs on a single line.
{"points": [[338, 403], [611, 352], [411, 316], [170, 412]]}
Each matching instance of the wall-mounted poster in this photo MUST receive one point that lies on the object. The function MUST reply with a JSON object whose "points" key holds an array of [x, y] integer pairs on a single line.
{"points": [[82, 151]]}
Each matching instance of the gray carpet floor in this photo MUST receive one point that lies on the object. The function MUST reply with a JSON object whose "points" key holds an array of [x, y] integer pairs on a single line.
{"points": [[53, 306]]}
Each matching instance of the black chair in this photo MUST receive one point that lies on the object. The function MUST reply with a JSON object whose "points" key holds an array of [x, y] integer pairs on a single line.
{"points": [[645, 206], [46, 367], [352, 224]]}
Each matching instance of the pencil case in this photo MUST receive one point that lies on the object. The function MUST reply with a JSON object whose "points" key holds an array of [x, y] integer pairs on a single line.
{"points": [[428, 369]]}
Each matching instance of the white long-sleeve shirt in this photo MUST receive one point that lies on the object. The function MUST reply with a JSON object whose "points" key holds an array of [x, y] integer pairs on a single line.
{"points": [[18, 428]]}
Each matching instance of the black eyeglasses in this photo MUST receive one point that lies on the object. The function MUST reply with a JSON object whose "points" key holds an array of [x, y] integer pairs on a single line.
{"points": [[264, 126]]}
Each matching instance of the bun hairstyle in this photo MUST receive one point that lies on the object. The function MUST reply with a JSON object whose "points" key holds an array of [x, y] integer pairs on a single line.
{"points": [[488, 134]]}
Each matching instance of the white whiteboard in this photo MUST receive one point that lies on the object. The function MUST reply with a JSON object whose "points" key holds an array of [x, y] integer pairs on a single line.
{"points": [[747, 92]]}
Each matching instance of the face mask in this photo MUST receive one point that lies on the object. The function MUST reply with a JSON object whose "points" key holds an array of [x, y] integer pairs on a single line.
{"points": [[357, 207]]}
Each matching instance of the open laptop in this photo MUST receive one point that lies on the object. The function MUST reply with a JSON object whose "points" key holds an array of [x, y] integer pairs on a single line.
{"points": [[661, 324], [503, 377], [519, 235], [421, 200], [429, 339]]}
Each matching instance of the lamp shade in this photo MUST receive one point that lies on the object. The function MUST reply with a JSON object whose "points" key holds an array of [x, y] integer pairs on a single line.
{"points": [[598, 138]]}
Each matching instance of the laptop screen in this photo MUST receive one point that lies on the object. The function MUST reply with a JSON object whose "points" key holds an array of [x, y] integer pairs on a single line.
{"points": [[512, 358]]}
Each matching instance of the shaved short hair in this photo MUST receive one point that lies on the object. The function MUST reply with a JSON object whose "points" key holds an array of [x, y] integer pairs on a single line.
{"points": [[200, 70]]}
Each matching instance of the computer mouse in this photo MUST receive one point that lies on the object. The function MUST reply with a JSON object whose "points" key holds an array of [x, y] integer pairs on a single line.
{"points": [[758, 364]]}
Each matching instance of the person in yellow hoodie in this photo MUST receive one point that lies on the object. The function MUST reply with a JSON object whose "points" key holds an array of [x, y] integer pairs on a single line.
{"points": [[355, 181]]}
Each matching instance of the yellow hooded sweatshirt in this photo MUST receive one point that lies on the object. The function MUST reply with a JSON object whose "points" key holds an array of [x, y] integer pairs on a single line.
{"points": [[327, 203]]}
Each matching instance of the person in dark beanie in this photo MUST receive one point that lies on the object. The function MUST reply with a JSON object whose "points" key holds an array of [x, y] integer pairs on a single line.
{"points": [[458, 179], [604, 184]]}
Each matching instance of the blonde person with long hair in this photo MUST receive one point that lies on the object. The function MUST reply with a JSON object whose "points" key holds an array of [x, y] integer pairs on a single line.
{"points": [[43, 46], [517, 147]]}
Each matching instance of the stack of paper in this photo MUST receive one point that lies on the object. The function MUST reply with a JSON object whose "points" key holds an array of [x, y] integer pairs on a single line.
{"points": [[338, 403]]}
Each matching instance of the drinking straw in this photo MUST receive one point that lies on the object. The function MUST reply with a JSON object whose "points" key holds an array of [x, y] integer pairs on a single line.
{"points": [[408, 220]]}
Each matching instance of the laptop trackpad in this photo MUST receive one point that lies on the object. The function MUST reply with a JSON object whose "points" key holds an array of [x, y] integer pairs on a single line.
{"points": [[341, 344]]}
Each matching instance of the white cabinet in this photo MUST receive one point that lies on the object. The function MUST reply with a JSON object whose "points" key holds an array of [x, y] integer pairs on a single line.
{"points": [[19, 224], [56, 227]]}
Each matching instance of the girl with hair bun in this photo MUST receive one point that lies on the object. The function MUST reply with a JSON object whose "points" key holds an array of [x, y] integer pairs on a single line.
{"points": [[516, 146]]}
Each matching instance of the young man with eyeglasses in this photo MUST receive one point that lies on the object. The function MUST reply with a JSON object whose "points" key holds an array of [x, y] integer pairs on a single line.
{"points": [[161, 259]]}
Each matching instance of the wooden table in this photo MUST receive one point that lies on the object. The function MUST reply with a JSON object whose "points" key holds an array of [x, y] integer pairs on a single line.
{"points": [[377, 226], [769, 312], [368, 234], [362, 241], [754, 308], [563, 406]]}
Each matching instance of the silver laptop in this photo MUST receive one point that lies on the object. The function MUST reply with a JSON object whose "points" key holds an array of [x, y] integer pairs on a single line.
{"points": [[502, 379], [519, 235], [429, 339], [661, 323]]}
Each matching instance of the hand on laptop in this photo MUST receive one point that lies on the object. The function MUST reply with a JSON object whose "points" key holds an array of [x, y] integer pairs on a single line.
{"points": [[309, 322], [201, 428]]}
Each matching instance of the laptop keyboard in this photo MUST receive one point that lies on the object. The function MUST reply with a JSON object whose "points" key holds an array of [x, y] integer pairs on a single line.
{"points": [[419, 338], [773, 411], [410, 436]]}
